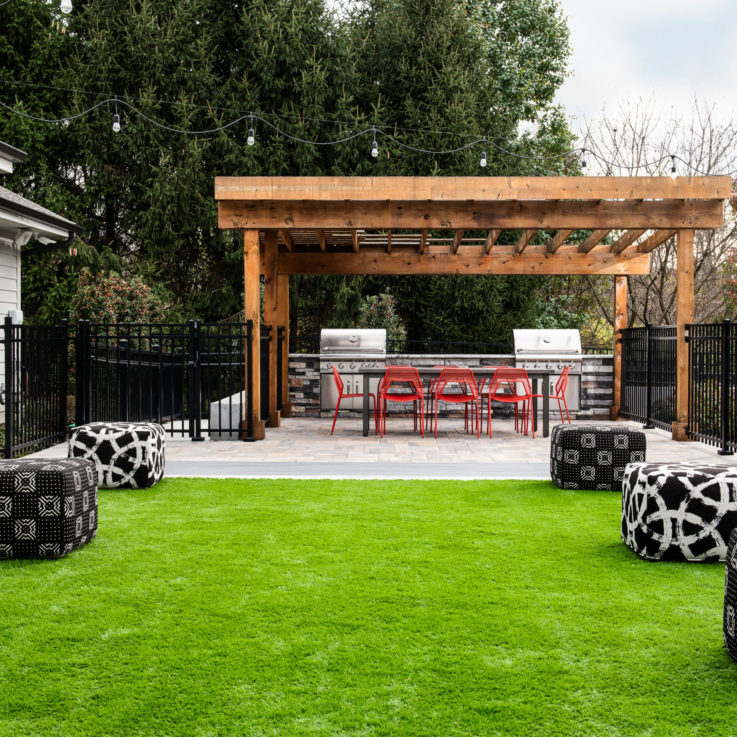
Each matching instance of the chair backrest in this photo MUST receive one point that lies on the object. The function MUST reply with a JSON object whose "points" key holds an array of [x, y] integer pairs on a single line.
{"points": [[562, 384], [456, 375], [401, 375], [516, 378], [338, 380]]}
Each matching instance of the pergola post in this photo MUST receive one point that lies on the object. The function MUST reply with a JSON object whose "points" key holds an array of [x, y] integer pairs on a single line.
{"points": [[282, 310], [252, 311], [271, 316], [620, 322], [684, 315]]}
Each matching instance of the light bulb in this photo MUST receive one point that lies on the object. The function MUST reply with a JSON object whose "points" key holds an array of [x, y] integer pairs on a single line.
{"points": [[251, 137], [374, 149], [482, 163], [673, 171], [583, 158], [116, 123], [66, 6]]}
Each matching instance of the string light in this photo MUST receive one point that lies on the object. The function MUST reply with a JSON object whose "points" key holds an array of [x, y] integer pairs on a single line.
{"points": [[64, 121], [66, 6], [673, 171], [116, 119]]}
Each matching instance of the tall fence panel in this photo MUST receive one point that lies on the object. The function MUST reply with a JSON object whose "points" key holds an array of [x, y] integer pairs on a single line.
{"points": [[712, 383], [649, 375], [36, 367]]}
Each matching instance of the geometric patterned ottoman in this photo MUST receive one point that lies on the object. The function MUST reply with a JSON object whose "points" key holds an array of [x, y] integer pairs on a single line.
{"points": [[730, 598], [128, 455], [593, 456], [679, 511], [48, 507]]}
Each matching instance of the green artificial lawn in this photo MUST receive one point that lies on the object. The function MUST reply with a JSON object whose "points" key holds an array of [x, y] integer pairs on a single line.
{"points": [[226, 607]]}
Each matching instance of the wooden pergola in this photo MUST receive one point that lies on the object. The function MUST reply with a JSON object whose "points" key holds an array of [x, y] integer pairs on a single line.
{"points": [[454, 225]]}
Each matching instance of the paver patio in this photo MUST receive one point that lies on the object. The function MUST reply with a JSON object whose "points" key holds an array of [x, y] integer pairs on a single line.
{"points": [[303, 448]]}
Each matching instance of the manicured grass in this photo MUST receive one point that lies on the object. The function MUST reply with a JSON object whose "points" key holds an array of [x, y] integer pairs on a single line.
{"points": [[362, 608]]}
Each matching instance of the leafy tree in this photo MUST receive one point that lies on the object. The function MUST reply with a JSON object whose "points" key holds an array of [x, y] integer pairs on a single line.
{"points": [[380, 311]]}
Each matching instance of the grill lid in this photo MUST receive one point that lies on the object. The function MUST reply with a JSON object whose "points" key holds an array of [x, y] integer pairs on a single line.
{"points": [[352, 341], [547, 343]]}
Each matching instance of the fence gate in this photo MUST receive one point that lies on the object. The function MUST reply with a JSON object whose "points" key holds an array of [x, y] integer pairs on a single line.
{"points": [[712, 383], [649, 375], [35, 366]]}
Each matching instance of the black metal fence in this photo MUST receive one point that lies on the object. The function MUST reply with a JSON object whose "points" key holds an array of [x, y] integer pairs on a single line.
{"points": [[649, 375], [712, 409], [189, 377]]}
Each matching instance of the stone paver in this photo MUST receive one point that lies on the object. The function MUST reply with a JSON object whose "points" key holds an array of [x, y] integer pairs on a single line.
{"points": [[303, 448]]}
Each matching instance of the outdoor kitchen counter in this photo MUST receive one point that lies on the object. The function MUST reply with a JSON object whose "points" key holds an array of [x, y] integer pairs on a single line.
{"points": [[427, 372]]}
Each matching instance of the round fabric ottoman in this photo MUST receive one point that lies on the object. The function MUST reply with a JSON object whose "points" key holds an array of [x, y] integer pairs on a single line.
{"points": [[593, 456], [679, 511], [730, 598], [48, 507], [127, 454]]}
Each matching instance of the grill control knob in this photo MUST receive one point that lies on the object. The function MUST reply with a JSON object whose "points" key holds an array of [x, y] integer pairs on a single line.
{"points": [[341, 366], [353, 365]]}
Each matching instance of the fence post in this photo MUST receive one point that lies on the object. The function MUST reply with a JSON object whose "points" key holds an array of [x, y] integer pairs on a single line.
{"points": [[64, 377], [82, 361], [649, 389], [9, 385], [726, 408], [123, 349], [195, 388]]}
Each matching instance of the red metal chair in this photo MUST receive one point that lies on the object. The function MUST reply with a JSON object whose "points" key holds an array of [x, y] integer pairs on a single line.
{"points": [[560, 393], [512, 385], [430, 397], [466, 391], [409, 390], [339, 385]]}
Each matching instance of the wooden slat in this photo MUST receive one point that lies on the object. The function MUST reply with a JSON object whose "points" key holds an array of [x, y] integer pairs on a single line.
{"points": [[457, 238], [491, 239], [626, 240], [593, 240], [524, 239], [656, 239], [321, 240], [388, 241], [354, 236], [620, 322], [271, 314], [479, 189], [423, 241], [558, 240], [252, 311], [507, 262], [287, 238], [471, 216]]}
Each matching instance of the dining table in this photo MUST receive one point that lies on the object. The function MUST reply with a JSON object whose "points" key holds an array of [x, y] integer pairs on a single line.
{"points": [[537, 376]]}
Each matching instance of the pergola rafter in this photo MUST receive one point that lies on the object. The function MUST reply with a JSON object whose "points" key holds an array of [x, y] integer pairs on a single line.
{"points": [[466, 225]]}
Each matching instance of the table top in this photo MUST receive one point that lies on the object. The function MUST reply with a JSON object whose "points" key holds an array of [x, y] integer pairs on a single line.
{"points": [[435, 370]]}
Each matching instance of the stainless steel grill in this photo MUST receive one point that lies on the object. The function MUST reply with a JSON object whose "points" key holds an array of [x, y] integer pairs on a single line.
{"points": [[552, 349], [349, 350]]}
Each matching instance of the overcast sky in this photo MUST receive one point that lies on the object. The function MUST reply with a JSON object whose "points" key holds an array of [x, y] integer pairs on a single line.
{"points": [[671, 50]]}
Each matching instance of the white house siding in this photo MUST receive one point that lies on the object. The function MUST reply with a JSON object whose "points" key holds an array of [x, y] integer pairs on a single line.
{"points": [[9, 296]]}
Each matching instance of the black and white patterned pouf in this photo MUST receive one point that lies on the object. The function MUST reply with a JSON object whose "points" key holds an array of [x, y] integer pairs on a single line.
{"points": [[679, 511], [127, 454], [593, 456], [48, 507], [730, 598]]}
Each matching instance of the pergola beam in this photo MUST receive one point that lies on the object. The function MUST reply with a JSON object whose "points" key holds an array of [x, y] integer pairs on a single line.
{"points": [[457, 238], [625, 240], [287, 238], [520, 215], [524, 239], [491, 238], [593, 240], [507, 262], [423, 241], [321, 240], [558, 240], [656, 239]]}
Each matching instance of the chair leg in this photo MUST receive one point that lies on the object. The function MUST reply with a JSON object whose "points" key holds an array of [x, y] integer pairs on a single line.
{"points": [[436, 417], [565, 404], [335, 416]]}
